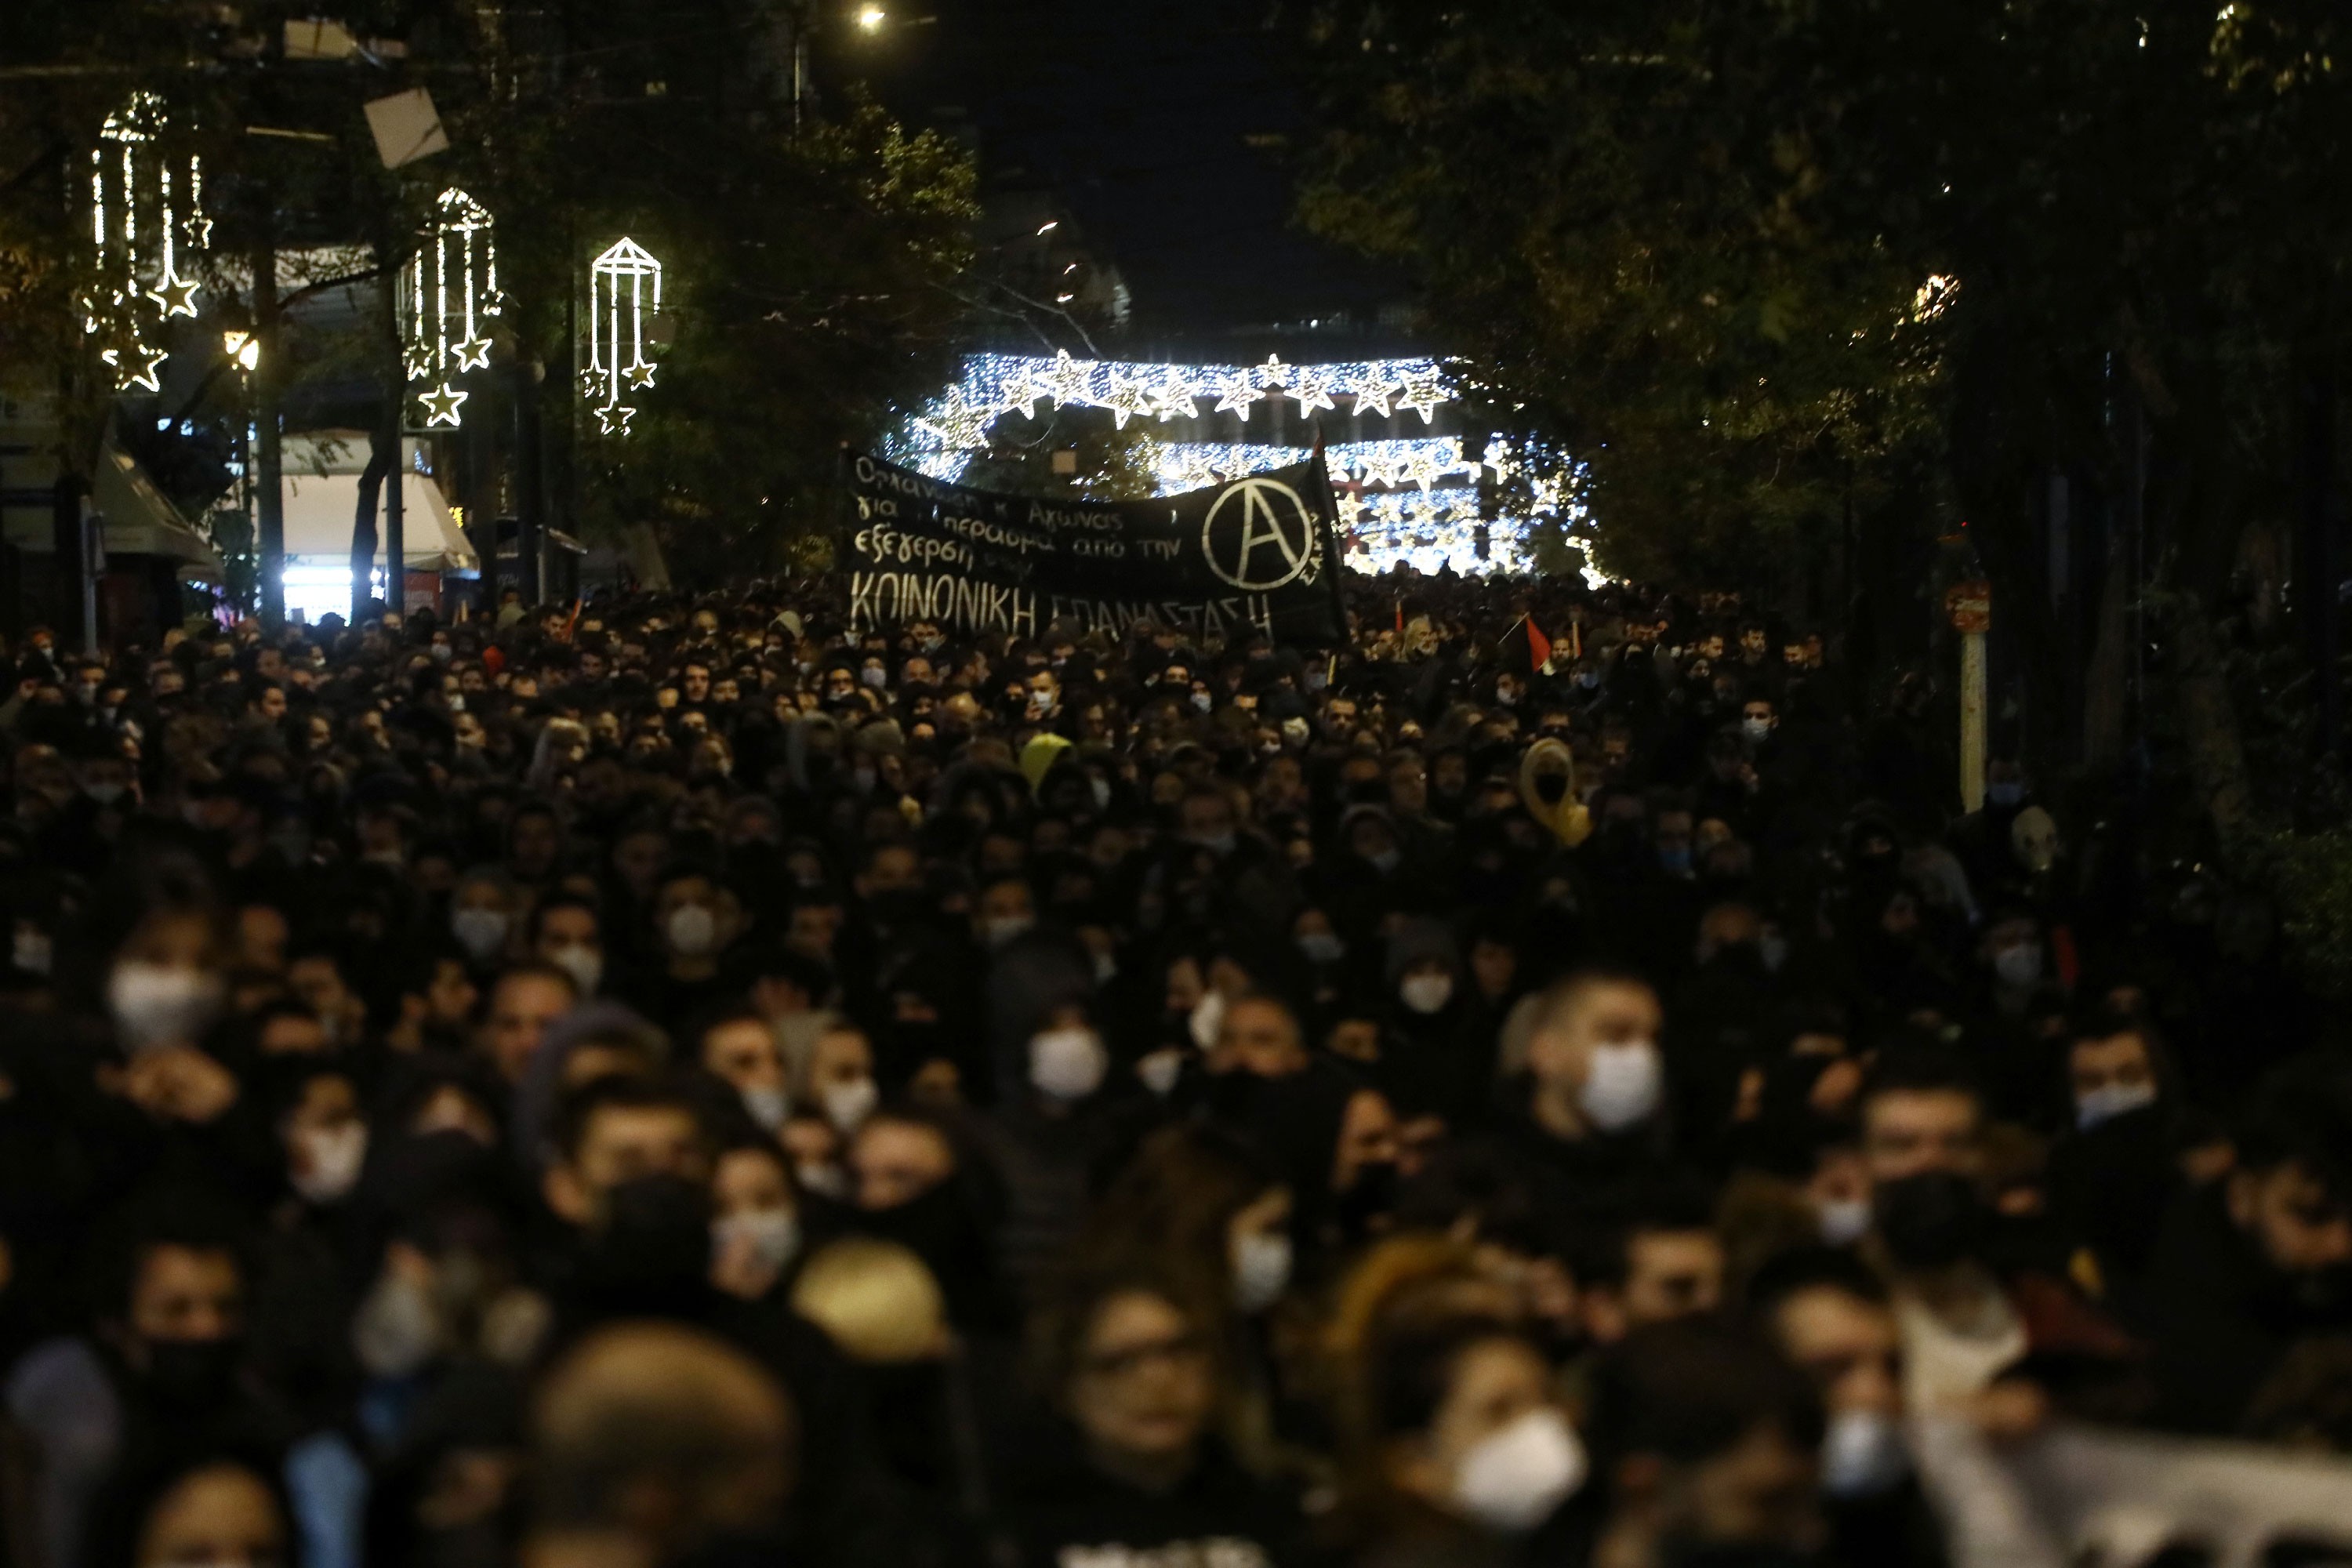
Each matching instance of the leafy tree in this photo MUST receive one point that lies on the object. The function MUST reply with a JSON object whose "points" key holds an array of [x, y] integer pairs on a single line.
{"points": [[1696, 239]]}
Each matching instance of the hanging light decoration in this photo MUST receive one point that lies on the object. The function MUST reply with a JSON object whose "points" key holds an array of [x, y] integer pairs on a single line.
{"points": [[146, 215], [618, 283], [449, 289]]}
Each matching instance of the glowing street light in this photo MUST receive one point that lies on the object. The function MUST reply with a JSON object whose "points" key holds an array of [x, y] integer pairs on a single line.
{"points": [[871, 17], [243, 347]]}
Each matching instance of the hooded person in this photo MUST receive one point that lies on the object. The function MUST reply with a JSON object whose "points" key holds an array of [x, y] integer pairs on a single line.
{"points": [[1433, 1062], [1046, 1131]]}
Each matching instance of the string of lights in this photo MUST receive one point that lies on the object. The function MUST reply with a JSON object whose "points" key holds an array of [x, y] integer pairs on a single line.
{"points": [[618, 283], [146, 213], [448, 287]]}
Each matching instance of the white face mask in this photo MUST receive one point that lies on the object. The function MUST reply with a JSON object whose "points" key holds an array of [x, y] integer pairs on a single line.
{"points": [[1843, 1221], [1208, 1019], [692, 930], [767, 1106], [773, 1236], [1260, 1263], [584, 964], [1862, 1454], [2111, 1100], [1512, 1479], [847, 1105], [998, 930], [1426, 994], [1622, 1086], [397, 1330], [334, 1155], [1067, 1063], [1160, 1071], [2019, 966], [827, 1181], [33, 953], [1756, 729], [161, 1003], [481, 932]]}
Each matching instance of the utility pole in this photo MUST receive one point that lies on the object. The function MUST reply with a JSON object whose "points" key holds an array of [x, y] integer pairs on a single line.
{"points": [[270, 546]]}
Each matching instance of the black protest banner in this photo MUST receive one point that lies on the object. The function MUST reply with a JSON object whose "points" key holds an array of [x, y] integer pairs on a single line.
{"points": [[1253, 555]]}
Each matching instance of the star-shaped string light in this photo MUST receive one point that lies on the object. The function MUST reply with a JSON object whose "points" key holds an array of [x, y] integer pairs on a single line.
{"points": [[959, 425], [198, 231], [1127, 398], [638, 375], [1235, 393], [474, 353], [441, 405], [175, 295], [1424, 467], [1498, 459], [1313, 389], [136, 367], [1350, 506], [615, 420], [1374, 390], [593, 384], [1070, 383], [1424, 390], [1023, 395], [1176, 396], [1274, 373]]}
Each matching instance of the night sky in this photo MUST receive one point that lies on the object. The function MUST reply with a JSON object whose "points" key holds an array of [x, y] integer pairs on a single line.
{"points": [[1143, 116]]}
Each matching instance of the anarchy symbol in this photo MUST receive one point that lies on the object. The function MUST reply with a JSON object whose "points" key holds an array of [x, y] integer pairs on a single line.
{"points": [[1272, 519]]}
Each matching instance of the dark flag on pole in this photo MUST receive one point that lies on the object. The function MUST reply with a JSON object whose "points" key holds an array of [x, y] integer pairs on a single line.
{"points": [[1525, 648]]}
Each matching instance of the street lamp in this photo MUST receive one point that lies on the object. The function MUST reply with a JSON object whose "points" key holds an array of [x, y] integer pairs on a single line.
{"points": [[871, 17], [245, 348]]}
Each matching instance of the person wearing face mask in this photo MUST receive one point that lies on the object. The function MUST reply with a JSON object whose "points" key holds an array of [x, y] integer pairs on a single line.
{"points": [[837, 1078], [1049, 1124], [696, 921], [739, 1047], [2116, 1172], [755, 1226], [168, 1361], [1594, 1114], [1435, 1056], [481, 920], [1461, 1453], [1829, 1315]]}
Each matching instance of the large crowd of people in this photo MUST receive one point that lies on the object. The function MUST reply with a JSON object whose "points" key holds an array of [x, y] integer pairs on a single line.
{"points": [[681, 1080]]}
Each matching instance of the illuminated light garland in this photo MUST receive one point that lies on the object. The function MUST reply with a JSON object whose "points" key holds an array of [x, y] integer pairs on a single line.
{"points": [[146, 211], [618, 282], [1018, 383], [1412, 500], [447, 289]]}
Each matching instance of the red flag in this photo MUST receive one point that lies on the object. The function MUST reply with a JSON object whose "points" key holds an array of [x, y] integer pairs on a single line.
{"points": [[1526, 641]]}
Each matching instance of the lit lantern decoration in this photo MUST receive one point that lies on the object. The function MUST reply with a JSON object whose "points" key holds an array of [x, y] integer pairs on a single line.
{"points": [[449, 287], [146, 215], [623, 284]]}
